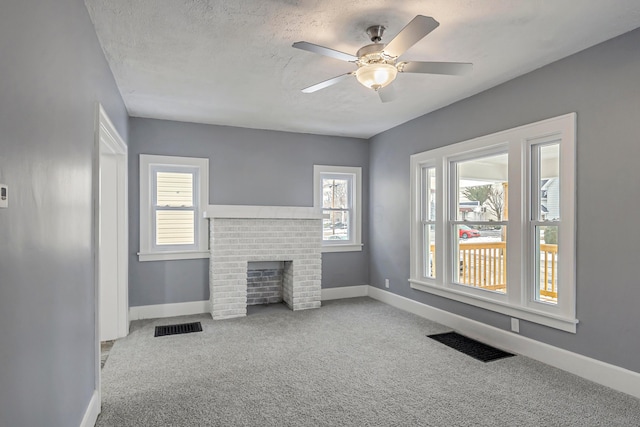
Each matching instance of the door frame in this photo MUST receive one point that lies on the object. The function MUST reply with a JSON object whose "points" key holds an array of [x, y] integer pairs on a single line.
{"points": [[109, 142]]}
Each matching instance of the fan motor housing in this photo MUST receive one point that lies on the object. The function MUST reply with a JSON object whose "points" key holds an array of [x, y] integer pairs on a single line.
{"points": [[374, 54]]}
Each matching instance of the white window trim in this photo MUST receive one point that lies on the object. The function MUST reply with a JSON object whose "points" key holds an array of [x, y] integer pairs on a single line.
{"points": [[516, 302], [147, 253], [355, 244]]}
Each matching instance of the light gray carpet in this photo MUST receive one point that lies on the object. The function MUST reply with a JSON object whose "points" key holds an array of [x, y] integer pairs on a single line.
{"points": [[353, 362], [105, 348]]}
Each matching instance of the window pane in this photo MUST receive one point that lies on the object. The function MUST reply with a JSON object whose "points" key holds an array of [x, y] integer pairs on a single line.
{"points": [[175, 227], [547, 264], [482, 186], [429, 208], [428, 217], [549, 184], [335, 193], [335, 225], [482, 258], [430, 250], [174, 189]]}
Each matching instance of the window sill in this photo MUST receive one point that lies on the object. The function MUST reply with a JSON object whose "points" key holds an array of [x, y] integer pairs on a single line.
{"points": [[168, 256], [350, 247], [557, 322]]}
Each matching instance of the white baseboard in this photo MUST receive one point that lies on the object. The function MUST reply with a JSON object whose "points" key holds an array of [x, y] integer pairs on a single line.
{"points": [[198, 307], [169, 310], [92, 412], [344, 292], [594, 370]]}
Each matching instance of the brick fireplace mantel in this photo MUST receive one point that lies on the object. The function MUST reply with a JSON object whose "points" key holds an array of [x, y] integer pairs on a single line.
{"points": [[243, 234], [266, 212]]}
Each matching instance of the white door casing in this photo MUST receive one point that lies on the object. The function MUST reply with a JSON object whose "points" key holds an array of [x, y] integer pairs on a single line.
{"points": [[108, 269], [112, 232]]}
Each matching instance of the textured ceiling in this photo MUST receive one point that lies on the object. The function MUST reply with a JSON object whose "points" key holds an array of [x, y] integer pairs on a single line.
{"points": [[231, 62]]}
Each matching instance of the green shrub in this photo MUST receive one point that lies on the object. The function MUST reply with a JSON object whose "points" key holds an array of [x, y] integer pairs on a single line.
{"points": [[551, 235]]}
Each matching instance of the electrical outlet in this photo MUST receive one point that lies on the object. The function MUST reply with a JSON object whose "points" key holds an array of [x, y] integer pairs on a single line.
{"points": [[515, 325], [386, 283]]}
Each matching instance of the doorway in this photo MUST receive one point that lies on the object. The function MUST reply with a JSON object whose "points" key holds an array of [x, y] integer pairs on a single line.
{"points": [[112, 232]]}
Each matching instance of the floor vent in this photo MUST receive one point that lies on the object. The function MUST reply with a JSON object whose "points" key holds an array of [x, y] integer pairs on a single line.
{"points": [[470, 347], [183, 328]]}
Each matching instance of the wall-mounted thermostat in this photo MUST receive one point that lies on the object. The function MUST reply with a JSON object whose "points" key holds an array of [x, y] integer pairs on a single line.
{"points": [[4, 196]]}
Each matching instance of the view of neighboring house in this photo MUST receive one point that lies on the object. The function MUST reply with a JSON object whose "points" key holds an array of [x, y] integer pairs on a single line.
{"points": [[550, 198]]}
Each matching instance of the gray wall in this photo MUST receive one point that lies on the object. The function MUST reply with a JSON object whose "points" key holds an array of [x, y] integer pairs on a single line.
{"points": [[602, 85], [52, 73], [246, 167]]}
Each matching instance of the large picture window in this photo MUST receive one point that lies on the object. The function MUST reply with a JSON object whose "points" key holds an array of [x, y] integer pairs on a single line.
{"points": [[477, 189], [173, 194], [494, 216]]}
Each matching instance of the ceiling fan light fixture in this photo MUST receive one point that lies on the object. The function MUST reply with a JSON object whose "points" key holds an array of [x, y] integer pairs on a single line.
{"points": [[377, 62], [376, 76]]}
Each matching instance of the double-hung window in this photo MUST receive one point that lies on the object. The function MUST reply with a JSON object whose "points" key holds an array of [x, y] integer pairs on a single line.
{"points": [[493, 222], [337, 192], [173, 196]]}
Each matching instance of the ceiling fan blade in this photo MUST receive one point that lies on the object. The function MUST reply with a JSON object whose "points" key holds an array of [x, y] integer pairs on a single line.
{"points": [[387, 93], [450, 68], [415, 30], [325, 51], [326, 83]]}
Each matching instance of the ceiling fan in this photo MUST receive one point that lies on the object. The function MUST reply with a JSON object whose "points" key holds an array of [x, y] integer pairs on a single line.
{"points": [[378, 63]]}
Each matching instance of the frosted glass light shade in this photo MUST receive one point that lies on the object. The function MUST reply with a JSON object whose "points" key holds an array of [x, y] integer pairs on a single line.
{"points": [[376, 76]]}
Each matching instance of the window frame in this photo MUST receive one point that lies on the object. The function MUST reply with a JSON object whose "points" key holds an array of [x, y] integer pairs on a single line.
{"points": [[354, 174], [151, 164], [426, 213], [195, 173], [518, 301]]}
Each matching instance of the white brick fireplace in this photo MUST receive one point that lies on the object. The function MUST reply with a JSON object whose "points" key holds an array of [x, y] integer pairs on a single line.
{"points": [[243, 234]]}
